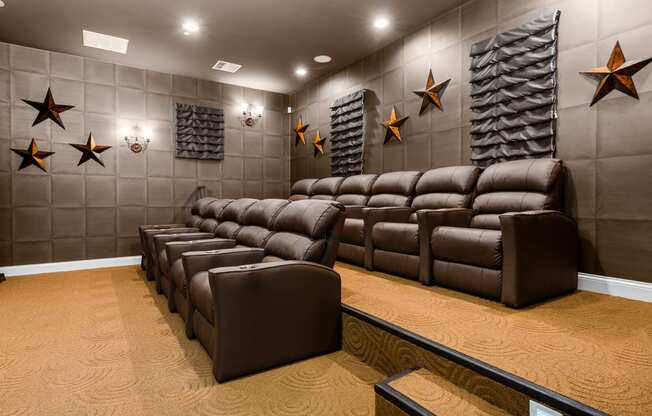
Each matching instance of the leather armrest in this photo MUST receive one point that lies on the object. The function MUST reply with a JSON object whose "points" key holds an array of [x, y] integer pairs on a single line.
{"points": [[371, 217], [174, 249], [160, 240], [142, 228], [354, 211], [292, 308], [428, 220], [150, 247], [200, 261], [540, 256]]}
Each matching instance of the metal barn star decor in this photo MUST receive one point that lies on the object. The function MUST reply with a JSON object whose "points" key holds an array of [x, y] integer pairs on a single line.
{"points": [[318, 144], [393, 126], [616, 75], [433, 93], [32, 156], [90, 150], [48, 109], [300, 132]]}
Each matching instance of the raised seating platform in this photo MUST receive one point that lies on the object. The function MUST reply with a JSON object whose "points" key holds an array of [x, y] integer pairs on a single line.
{"points": [[571, 353]]}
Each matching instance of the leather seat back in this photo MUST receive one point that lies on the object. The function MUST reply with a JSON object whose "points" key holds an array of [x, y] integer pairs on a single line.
{"points": [[212, 213], [515, 186], [449, 187], [200, 206], [257, 222], [230, 220], [356, 189], [394, 189], [306, 230], [326, 188], [301, 189]]}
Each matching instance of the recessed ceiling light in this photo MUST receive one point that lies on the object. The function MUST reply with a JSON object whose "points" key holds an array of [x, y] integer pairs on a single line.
{"points": [[2, 3], [381, 22], [301, 71], [226, 66], [106, 42], [190, 27], [322, 59]]}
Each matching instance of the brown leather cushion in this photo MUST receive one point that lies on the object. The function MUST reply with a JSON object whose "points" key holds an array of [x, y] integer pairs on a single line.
{"points": [[352, 199], [397, 237], [324, 197], [533, 175], [389, 200], [353, 231], [501, 202], [253, 236], [235, 211], [358, 184], [326, 186], [473, 246], [302, 187], [262, 212], [217, 207], [479, 281], [490, 221], [227, 229], [400, 183], [298, 197], [201, 295], [201, 205], [209, 225], [452, 179], [194, 221], [178, 275], [293, 246], [310, 217]]}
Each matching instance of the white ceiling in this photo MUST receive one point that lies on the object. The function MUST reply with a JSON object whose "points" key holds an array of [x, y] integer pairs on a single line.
{"points": [[270, 38]]}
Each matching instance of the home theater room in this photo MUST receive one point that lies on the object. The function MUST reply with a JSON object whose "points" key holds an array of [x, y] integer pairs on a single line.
{"points": [[321, 208]]}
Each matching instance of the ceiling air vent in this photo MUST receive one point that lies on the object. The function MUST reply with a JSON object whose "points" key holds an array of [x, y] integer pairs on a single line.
{"points": [[226, 66]]}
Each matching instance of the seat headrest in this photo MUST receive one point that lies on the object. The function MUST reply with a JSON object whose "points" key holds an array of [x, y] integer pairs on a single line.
{"points": [[201, 205], [532, 175], [236, 209], [452, 179], [314, 218], [302, 186], [263, 212], [326, 186], [399, 183], [215, 209], [358, 184]]}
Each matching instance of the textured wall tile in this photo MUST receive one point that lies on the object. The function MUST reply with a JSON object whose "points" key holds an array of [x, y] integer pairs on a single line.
{"points": [[578, 23], [253, 169], [132, 192], [30, 59], [273, 169], [573, 88], [5, 85], [184, 190], [68, 249], [184, 86], [417, 151], [32, 224], [580, 188], [253, 189], [446, 30], [5, 190], [273, 122], [108, 157], [5, 224], [620, 16], [232, 93], [30, 190], [99, 99], [253, 143], [100, 222], [4, 55], [624, 126], [209, 169], [621, 247], [100, 247], [508, 9], [275, 101], [274, 190], [68, 222], [66, 66], [130, 77], [478, 16], [162, 135], [416, 74], [68, 190], [66, 159], [73, 120], [160, 192], [131, 103], [232, 167], [416, 123], [5, 155], [446, 148], [393, 86], [163, 215], [30, 86], [620, 197], [446, 63], [100, 191], [159, 82], [417, 44], [129, 246], [393, 56], [232, 189], [273, 145], [185, 168], [577, 132], [159, 163], [68, 92], [209, 90], [99, 72], [131, 165], [451, 116], [233, 142], [394, 157], [129, 218], [32, 252], [159, 106]]}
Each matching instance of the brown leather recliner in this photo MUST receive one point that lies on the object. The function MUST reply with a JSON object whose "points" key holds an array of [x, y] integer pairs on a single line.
{"points": [[392, 234], [224, 217], [255, 230], [289, 307], [394, 189], [519, 247], [199, 213], [326, 188], [301, 189], [356, 190]]}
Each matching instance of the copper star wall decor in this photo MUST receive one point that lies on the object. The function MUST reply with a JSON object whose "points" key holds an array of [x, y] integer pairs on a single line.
{"points": [[433, 93], [393, 126], [318, 144], [32, 156], [90, 150], [48, 109], [300, 132], [616, 75]]}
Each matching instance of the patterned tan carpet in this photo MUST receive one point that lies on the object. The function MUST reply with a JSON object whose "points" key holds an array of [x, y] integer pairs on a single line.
{"points": [[593, 348], [101, 342]]}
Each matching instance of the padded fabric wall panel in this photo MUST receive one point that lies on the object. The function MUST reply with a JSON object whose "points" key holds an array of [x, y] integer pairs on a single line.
{"points": [[347, 135], [200, 132], [514, 93]]}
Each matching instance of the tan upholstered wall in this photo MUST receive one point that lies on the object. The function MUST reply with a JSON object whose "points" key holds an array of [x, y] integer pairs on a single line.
{"points": [[82, 212], [607, 148]]}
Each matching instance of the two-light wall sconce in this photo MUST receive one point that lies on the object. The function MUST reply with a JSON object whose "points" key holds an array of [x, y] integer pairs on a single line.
{"points": [[137, 139], [250, 114]]}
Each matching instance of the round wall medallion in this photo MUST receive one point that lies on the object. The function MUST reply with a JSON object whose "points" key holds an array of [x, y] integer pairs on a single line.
{"points": [[136, 148]]}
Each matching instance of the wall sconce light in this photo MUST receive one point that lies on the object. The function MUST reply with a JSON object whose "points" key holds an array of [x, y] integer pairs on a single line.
{"points": [[137, 139], [250, 114]]}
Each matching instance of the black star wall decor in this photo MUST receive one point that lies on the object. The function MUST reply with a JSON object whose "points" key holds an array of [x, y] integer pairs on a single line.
{"points": [[432, 94], [32, 156], [318, 144], [90, 150], [300, 132], [48, 109], [393, 126], [616, 75]]}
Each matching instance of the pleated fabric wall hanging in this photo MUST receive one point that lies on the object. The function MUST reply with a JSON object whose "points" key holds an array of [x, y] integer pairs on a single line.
{"points": [[514, 93], [347, 135], [200, 132]]}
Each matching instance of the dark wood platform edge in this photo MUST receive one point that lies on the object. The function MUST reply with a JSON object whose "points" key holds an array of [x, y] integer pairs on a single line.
{"points": [[534, 391], [398, 399]]}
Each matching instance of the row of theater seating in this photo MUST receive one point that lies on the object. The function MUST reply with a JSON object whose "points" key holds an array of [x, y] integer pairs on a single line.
{"points": [[252, 279], [498, 233]]}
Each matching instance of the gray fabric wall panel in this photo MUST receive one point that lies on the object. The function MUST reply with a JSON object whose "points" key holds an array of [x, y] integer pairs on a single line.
{"points": [[514, 93], [200, 132], [347, 135]]}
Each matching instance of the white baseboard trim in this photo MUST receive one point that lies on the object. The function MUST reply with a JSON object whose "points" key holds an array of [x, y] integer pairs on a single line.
{"points": [[66, 266], [614, 286]]}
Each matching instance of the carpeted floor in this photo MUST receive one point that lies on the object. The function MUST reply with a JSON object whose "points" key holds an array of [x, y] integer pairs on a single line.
{"points": [[101, 342], [593, 348]]}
